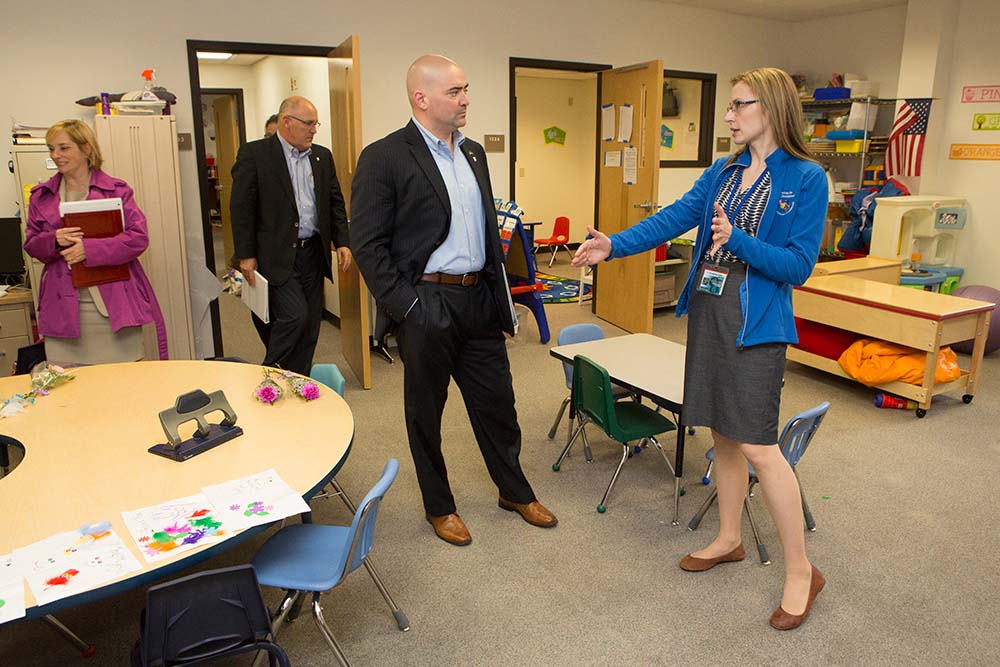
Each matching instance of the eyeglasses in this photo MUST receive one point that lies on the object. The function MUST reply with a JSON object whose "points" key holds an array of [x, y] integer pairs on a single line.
{"points": [[736, 106], [308, 123]]}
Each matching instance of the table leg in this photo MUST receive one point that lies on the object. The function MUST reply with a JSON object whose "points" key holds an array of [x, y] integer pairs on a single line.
{"points": [[678, 469]]}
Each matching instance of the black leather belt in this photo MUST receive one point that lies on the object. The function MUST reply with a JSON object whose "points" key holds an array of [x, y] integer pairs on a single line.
{"points": [[463, 279], [305, 243]]}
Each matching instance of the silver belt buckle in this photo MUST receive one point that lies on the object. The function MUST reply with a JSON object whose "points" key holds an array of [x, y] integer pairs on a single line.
{"points": [[471, 277]]}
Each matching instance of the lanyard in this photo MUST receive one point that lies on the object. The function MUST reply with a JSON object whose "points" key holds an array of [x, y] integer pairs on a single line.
{"points": [[730, 212]]}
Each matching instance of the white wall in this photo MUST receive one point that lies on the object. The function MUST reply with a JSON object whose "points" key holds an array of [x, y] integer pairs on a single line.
{"points": [[552, 179], [213, 75], [274, 77], [969, 60]]}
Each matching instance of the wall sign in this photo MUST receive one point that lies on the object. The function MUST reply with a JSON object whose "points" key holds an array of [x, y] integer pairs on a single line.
{"points": [[974, 152], [980, 94], [986, 121], [554, 135]]}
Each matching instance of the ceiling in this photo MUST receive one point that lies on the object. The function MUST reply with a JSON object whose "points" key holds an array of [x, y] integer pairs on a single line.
{"points": [[788, 10]]}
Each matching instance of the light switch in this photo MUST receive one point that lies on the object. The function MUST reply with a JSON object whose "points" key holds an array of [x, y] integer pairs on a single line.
{"points": [[520, 172]]}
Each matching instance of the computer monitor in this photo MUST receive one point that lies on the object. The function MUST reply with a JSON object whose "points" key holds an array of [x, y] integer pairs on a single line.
{"points": [[11, 259]]}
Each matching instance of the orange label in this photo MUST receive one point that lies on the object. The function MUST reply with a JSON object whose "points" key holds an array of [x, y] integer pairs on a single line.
{"points": [[974, 152]]}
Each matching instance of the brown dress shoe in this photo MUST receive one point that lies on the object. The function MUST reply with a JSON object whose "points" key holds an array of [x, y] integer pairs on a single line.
{"points": [[533, 512], [693, 564], [451, 529], [782, 620]]}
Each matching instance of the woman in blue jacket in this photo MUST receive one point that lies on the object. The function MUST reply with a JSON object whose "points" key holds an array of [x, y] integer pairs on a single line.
{"points": [[760, 216]]}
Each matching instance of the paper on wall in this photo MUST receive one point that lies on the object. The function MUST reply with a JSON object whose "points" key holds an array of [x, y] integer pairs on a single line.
{"points": [[630, 174], [613, 159], [607, 122], [625, 123]]}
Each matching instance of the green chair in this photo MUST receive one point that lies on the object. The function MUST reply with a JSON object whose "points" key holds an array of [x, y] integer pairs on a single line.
{"points": [[625, 421]]}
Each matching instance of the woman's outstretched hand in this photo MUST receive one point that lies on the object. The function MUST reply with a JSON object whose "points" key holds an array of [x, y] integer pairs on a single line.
{"points": [[593, 250]]}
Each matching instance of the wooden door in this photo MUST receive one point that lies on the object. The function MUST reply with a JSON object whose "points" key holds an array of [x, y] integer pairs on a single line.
{"points": [[624, 287], [345, 122], [227, 142]]}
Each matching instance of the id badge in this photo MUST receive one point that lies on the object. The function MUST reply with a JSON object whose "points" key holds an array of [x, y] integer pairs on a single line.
{"points": [[713, 279]]}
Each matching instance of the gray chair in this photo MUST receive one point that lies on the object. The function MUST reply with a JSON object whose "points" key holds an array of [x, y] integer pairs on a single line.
{"points": [[794, 440]]}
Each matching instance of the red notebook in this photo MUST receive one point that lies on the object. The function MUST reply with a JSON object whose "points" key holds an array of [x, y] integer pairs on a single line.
{"points": [[98, 219]]}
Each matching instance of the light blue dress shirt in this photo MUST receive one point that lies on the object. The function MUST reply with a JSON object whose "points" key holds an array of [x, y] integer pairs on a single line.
{"points": [[301, 172], [464, 250]]}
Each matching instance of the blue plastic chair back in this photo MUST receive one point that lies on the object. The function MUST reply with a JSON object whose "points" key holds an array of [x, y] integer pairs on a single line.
{"points": [[799, 431], [362, 534], [577, 333], [329, 375]]}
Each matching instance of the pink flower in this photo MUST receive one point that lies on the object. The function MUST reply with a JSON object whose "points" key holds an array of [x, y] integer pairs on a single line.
{"points": [[267, 394], [310, 391]]}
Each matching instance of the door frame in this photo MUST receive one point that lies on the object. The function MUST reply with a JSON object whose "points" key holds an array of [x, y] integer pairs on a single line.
{"points": [[566, 66], [193, 46], [238, 93]]}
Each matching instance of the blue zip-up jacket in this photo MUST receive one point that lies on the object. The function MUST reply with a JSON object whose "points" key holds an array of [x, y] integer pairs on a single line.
{"points": [[782, 254]]}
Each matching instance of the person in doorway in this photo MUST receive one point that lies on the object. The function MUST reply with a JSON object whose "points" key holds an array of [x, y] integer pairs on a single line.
{"points": [[287, 209], [425, 236], [271, 126], [760, 216], [101, 323]]}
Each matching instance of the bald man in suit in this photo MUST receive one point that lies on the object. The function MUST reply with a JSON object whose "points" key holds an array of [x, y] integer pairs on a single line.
{"points": [[287, 212], [425, 237]]}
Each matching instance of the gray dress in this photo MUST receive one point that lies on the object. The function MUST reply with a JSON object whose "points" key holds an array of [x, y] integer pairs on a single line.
{"points": [[734, 391]]}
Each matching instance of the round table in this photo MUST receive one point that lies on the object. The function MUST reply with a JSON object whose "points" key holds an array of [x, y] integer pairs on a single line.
{"points": [[85, 455]]}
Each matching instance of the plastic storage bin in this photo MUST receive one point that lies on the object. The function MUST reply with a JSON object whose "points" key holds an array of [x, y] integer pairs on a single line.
{"points": [[852, 145]]}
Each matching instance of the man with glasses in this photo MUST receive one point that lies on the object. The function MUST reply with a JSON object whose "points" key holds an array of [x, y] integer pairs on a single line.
{"points": [[287, 209]]}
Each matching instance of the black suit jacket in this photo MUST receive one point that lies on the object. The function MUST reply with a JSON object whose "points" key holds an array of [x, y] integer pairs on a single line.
{"points": [[265, 218], [400, 213]]}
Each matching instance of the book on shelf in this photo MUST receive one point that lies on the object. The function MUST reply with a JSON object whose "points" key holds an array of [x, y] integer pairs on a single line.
{"points": [[97, 219]]}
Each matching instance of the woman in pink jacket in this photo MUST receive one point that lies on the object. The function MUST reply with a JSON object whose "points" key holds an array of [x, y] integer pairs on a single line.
{"points": [[89, 325]]}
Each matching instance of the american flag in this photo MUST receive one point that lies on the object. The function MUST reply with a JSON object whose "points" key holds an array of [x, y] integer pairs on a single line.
{"points": [[906, 140]]}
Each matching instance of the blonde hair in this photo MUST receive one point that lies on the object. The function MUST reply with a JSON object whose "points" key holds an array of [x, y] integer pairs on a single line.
{"points": [[81, 135], [779, 99]]}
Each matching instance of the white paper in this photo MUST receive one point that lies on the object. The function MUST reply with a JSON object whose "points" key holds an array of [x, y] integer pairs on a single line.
{"points": [[625, 123], [630, 174], [856, 119], [255, 298], [255, 500], [11, 589], [165, 530], [607, 122], [613, 159], [75, 561]]}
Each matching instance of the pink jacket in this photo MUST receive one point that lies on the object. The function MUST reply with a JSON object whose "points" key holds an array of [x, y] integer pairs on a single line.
{"points": [[130, 302]]}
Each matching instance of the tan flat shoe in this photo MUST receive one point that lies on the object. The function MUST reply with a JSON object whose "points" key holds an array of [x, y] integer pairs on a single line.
{"points": [[693, 564], [782, 620]]}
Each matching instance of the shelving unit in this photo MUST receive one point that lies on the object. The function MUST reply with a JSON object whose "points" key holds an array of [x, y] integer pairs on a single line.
{"points": [[671, 273], [872, 105]]}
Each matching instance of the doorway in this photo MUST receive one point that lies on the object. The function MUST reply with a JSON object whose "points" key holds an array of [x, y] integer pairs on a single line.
{"points": [[553, 129], [247, 82], [223, 131]]}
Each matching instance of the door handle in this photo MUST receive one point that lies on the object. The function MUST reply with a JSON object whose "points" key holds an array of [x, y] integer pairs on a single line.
{"points": [[651, 206]]}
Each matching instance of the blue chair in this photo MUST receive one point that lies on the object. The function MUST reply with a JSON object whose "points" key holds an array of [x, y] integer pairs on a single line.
{"points": [[331, 376], [314, 558], [794, 440], [578, 333], [203, 617]]}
